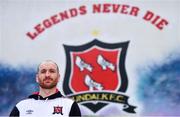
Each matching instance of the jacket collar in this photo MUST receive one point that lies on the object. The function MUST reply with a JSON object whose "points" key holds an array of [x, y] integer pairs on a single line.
{"points": [[36, 96]]}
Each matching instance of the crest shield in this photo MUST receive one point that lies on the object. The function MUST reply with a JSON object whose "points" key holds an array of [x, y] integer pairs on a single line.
{"points": [[95, 67]]}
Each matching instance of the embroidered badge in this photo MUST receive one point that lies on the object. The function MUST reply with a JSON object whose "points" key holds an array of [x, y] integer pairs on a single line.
{"points": [[58, 110]]}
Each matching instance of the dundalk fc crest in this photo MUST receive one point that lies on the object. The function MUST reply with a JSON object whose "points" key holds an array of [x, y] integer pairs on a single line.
{"points": [[95, 74]]}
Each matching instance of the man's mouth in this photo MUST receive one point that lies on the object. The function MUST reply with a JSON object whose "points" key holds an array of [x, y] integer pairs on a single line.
{"points": [[47, 80]]}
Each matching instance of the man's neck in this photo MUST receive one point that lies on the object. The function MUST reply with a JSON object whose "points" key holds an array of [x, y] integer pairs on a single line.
{"points": [[47, 92]]}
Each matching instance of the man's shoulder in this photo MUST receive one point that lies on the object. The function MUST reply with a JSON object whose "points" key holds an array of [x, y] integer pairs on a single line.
{"points": [[25, 101], [66, 99]]}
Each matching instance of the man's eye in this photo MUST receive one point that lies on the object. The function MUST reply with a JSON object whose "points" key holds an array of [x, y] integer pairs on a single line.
{"points": [[43, 71], [52, 71]]}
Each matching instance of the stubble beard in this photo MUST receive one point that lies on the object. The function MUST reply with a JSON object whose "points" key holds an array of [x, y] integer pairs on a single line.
{"points": [[43, 85]]}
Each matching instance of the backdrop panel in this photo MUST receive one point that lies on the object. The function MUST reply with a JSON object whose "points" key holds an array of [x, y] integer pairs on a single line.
{"points": [[115, 57]]}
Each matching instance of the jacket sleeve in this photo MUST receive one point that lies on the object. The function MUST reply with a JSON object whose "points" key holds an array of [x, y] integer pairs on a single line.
{"points": [[75, 111], [14, 112]]}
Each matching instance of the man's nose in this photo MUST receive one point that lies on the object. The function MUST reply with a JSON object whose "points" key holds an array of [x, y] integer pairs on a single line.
{"points": [[47, 73]]}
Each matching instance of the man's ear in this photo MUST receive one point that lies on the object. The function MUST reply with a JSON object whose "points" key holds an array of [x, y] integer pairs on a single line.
{"points": [[37, 80], [58, 77]]}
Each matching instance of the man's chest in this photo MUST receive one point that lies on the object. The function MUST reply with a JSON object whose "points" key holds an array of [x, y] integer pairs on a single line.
{"points": [[45, 107]]}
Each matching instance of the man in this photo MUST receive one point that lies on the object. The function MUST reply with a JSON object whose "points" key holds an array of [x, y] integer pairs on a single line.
{"points": [[48, 101]]}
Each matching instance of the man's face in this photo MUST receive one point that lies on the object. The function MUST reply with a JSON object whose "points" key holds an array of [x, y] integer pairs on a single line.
{"points": [[48, 75]]}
